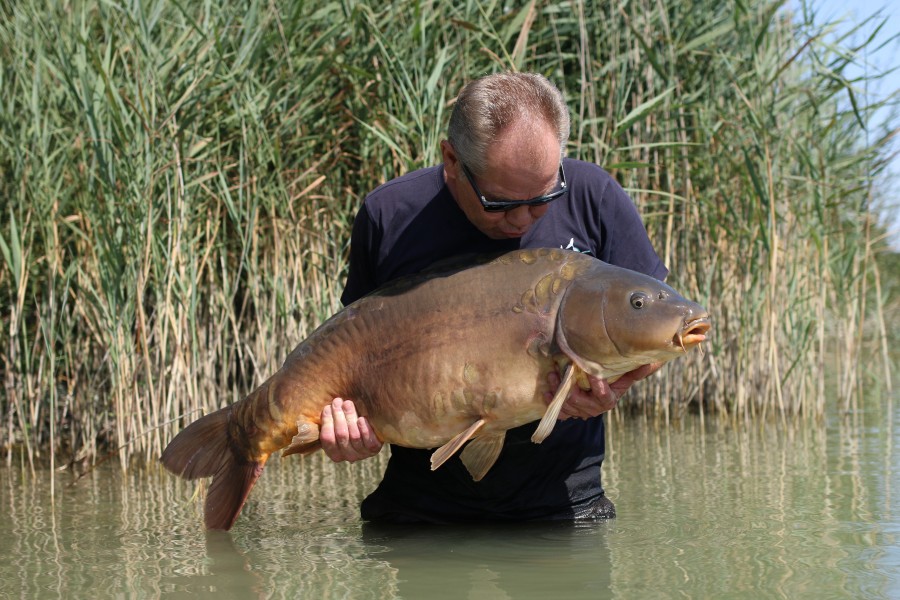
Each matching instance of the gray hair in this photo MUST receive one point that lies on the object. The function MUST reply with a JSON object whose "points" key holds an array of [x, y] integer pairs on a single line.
{"points": [[490, 105]]}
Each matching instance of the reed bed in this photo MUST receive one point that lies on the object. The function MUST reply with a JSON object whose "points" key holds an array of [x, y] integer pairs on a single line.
{"points": [[179, 180]]}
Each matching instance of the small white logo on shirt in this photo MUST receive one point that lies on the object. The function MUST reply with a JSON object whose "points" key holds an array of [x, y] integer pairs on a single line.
{"points": [[574, 248]]}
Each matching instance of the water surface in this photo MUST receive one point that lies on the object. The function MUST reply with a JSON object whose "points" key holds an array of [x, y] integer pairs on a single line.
{"points": [[706, 510]]}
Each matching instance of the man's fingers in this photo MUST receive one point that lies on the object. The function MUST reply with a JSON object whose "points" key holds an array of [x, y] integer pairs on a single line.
{"points": [[362, 439], [345, 436], [370, 440], [341, 432], [583, 404], [566, 413], [552, 385], [553, 380], [602, 397], [326, 435], [350, 419], [628, 379]]}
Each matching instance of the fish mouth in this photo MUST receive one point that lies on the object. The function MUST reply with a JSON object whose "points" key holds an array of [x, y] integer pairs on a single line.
{"points": [[693, 332]]}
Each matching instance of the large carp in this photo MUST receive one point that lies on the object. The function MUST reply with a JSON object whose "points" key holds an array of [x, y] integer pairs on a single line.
{"points": [[442, 359]]}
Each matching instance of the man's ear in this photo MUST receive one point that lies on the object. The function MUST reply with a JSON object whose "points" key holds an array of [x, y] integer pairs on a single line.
{"points": [[451, 160]]}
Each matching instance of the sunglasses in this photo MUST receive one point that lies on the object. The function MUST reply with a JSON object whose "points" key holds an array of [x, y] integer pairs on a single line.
{"points": [[504, 205]]}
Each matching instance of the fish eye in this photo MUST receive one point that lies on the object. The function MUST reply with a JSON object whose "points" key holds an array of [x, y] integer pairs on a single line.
{"points": [[638, 300]]}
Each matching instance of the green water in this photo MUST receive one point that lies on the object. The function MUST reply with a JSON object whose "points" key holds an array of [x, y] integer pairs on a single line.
{"points": [[705, 511]]}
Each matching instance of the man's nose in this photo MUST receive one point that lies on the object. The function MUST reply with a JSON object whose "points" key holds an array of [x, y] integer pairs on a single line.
{"points": [[519, 217]]}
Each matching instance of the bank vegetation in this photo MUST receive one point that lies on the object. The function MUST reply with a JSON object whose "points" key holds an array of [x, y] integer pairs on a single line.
{"points": [[178, 181]]}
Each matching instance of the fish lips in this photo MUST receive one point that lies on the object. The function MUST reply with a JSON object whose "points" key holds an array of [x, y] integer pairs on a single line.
{"points": [[693, 332]]}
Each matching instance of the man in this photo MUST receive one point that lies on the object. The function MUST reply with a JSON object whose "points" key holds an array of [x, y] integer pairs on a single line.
{"points": [[503, 184]]}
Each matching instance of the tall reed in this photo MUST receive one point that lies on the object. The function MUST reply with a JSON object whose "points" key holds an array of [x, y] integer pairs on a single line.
{"points": [[180, 182]]}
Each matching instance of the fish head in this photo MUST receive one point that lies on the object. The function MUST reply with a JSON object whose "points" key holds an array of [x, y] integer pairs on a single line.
{"points": [[612, 320]]}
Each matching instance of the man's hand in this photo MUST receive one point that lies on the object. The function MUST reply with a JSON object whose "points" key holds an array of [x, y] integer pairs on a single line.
{"points": [[602, 396], [346, 436]]}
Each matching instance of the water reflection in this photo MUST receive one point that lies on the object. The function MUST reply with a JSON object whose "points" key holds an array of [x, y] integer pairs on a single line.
{"points": [[705, 510], [225, 571], [406, 562], [501, 561], [729, 510]]}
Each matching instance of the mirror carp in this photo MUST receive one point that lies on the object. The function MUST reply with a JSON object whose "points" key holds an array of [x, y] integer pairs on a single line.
{"points": [[450, 359]]}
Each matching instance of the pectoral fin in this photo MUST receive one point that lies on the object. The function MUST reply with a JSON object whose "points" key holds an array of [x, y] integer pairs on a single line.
{"points": [[481, 454], [443, 453], [549, 419]]}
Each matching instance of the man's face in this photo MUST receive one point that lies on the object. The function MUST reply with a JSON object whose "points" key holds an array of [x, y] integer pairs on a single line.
{"points": [[520, 166]]}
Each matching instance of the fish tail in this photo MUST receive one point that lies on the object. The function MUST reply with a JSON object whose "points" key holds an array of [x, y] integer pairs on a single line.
{"points": [[229, 490], [206, 448]]}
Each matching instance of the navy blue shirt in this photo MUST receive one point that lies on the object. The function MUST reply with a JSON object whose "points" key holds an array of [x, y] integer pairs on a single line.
{"points": [[410, 223]]}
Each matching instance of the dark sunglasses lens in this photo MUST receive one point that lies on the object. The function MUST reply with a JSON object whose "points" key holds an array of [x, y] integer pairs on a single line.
{"points": [[506, 205]]}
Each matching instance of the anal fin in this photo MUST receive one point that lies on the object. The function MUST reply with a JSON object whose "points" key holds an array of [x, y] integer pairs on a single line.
{"points": [[548, 421], [443, 453], [481, 454]]}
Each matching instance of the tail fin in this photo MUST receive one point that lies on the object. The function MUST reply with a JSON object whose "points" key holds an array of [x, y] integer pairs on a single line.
{"points": [[204, 449]]}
